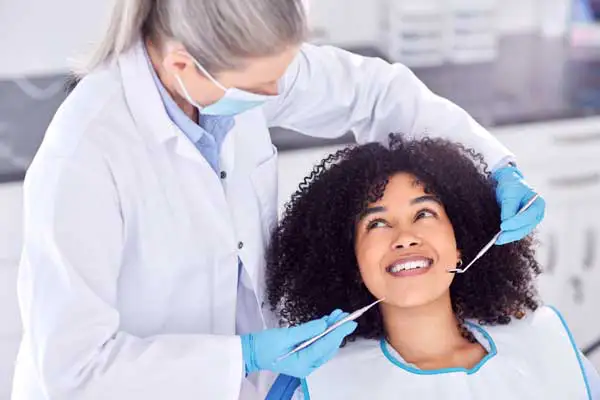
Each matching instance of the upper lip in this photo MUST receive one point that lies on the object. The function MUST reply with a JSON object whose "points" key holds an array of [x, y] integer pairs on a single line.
{"points": [[408, 258]]}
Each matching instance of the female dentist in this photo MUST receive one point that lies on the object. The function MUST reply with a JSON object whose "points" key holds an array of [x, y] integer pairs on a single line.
{"points": [[149, 204]]}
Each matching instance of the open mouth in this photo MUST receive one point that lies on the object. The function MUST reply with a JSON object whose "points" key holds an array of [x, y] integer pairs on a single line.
{"points": [[410, 266]]}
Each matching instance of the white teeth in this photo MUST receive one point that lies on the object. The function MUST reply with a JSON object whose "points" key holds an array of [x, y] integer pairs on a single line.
{"points": [[409, 266]]}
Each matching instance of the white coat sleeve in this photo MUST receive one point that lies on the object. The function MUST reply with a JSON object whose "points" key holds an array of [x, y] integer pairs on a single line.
{"points": [[69, 273], [328, 92]]}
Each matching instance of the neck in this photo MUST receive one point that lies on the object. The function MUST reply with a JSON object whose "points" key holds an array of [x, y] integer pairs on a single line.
{"points": [[424, 333], [156, 59]]}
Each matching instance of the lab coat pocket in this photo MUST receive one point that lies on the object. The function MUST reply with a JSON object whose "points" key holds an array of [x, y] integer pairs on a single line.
{"points": [[264, 179]]}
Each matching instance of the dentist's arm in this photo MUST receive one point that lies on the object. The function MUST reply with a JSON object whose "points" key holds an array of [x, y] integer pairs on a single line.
{"points": [[328, 92]]}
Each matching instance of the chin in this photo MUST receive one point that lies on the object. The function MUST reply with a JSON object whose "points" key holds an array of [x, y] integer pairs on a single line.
{"points": [[408, 301], [415, 298]]}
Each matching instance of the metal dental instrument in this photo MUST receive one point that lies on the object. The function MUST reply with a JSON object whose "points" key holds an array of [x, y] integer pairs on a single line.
{"points": [[493, 241], [356, 314]]}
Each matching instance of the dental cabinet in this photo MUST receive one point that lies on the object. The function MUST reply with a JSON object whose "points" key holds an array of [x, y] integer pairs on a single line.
{"points": [[562, 161]]}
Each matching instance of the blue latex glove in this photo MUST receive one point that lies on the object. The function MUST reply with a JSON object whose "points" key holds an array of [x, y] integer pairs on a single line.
{"points": [[512, 192], [261, 350]]}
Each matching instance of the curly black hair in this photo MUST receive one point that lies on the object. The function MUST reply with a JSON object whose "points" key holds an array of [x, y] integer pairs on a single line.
{"points": [[311, 262]]}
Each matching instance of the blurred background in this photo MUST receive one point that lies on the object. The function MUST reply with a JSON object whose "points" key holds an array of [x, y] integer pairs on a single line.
{"points": [[529, 70]]}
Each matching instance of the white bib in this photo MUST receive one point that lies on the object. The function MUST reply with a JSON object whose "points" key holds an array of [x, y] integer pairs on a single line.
{"points": [[529, 359]]}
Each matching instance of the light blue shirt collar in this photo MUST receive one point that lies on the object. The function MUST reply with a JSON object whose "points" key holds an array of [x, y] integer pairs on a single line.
{"points": [[191, 129], [207, 136]]}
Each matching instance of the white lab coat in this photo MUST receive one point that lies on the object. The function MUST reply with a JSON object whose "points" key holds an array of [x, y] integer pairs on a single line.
{"points": [[128, 278]]}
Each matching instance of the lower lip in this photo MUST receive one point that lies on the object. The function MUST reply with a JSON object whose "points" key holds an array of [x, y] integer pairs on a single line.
{"points": [[410, 272]]}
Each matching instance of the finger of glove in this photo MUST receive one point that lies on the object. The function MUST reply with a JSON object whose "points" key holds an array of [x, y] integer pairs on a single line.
{"points": [[510, 203], [513, 236], [325, 345], [305, 331], [334, 317], [530, 217]]}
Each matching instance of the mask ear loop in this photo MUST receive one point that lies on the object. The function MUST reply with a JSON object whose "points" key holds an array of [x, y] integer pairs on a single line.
{"points": [[186, 93], [206, 73]]}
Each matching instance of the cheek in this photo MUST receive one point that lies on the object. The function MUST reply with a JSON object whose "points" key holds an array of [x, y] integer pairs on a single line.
{"points": [[369, 255], [443, 240]]}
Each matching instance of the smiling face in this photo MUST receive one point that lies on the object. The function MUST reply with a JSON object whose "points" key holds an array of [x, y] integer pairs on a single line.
{"points": [[405, 245]]}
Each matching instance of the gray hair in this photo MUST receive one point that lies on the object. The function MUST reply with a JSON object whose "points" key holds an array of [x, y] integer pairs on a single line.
{"points": [[220, 34]]}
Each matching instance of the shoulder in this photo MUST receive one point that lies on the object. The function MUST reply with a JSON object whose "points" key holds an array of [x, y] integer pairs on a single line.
{"points": [[93, 107], [88, 125], [543, 328], [544, 316]]}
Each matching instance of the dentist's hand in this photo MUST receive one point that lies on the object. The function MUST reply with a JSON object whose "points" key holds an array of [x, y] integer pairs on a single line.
{"points": [[261, 350], [512, 192]]}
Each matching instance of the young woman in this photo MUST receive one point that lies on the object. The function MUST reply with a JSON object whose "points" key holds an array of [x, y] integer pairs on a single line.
{"points": [[375, 222]]}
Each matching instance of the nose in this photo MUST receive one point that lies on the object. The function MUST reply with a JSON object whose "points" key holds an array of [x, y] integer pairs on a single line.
{"points": [[405, 240]]}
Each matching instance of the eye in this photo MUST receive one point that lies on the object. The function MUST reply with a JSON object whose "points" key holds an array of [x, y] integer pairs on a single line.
{"points": [[425, 213], [377, 223]]}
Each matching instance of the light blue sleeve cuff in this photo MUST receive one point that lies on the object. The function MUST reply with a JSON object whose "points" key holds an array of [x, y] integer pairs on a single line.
{"points": [[505, 162]]}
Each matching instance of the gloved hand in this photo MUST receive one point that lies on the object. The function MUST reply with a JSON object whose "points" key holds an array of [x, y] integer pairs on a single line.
{"points": [[512, 192], [261, 350]]}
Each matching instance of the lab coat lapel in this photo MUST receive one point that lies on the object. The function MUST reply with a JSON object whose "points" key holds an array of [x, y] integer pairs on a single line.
{"points": [[143, 97], [152, 121], [252, 191]]}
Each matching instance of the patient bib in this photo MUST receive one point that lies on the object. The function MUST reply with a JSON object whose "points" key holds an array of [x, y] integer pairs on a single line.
{"points": [[529, 359]]}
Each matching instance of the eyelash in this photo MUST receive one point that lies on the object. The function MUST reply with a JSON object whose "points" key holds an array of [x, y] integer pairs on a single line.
{"points": [[418, 215], [426, 210], [371, 224]]}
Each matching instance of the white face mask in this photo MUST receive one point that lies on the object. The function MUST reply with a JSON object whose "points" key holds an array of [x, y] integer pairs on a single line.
{"points": [[233, 102]]}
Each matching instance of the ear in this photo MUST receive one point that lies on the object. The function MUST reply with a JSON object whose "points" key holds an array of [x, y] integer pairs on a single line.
{"points": [[178, 62]]}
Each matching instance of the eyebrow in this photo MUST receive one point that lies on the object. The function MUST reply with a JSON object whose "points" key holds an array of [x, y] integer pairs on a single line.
{"points": [[418, 200], [425, 199]]}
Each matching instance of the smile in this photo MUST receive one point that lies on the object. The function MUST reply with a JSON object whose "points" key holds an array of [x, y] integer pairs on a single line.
{"points": [[410, 266]]}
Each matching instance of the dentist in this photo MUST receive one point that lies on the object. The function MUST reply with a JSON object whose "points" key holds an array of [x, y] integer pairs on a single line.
{"points": [[149, 205]]}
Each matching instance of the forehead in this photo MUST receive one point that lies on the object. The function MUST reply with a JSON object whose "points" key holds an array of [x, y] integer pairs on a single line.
{"points": [[402, 186], [267, 68]]}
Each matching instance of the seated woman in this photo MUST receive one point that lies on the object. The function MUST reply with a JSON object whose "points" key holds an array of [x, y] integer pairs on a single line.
{"points": [[374, 222]]}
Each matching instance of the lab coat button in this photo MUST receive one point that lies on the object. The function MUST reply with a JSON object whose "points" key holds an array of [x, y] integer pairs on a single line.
{"points": [[223, 175], [240, 245]]}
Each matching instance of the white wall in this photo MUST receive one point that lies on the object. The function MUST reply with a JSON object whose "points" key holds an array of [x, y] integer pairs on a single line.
{"points": [[39, 36]]}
